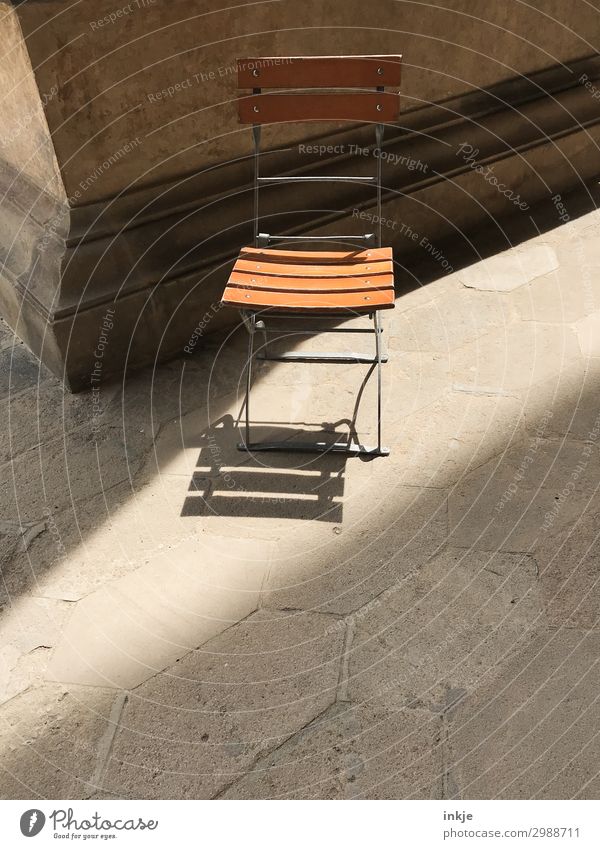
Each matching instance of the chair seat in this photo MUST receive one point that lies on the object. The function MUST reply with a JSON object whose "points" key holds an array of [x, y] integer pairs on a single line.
{"points": [[359, 281]]}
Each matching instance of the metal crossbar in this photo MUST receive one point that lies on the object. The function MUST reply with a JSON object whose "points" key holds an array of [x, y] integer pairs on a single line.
{"points": [[323, 179], [263, 239]]}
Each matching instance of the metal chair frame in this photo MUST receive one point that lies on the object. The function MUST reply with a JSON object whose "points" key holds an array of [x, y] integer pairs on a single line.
{"points": [[256, 321]]}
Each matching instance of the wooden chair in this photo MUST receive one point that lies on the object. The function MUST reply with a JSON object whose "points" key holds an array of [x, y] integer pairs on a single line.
{"points": [[284, 283]]}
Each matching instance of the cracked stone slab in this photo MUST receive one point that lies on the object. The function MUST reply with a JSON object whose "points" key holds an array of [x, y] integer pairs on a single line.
{"points": [[140, 624], [48, 741], [23, 532], [30, 628], [388, 531], [508, 270], [192, 730], [442, 629], [86, 545], [352, 752], [516, 357], [531, 731]]}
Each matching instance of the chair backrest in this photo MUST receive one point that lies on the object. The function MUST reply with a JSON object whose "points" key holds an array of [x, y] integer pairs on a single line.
{"points": [[350, 78], [352, 75]]}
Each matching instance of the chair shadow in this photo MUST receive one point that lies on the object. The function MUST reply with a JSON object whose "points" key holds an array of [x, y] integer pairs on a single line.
{"points": [[228, 482]]}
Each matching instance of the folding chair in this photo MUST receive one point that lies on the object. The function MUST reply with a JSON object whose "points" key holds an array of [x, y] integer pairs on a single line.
{"points": [[284, 284]]}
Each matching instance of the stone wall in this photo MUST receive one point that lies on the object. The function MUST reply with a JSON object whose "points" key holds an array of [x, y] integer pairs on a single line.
{"points": [[140, 102]]}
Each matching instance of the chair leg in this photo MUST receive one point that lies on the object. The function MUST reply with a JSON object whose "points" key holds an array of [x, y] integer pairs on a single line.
{"points": [[378, 355], [351, 448], [251, 327]]}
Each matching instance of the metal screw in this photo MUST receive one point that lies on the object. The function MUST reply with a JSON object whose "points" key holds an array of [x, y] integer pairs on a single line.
{"points": [[246, 296], [255, 72], [380, 71], [379, 108], [367, 297], [256, 108]]}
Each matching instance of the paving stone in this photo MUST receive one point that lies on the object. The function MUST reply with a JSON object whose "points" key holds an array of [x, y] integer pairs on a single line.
{"points": [[564, 295], [70, 468], [568, 560], [515, 357], [84, 546], [49, 739], [542, 461], [415, 381], [567, 403], [451, 320], [38, 414], [250, 497], [511, 502], [206, 439], [436, 634], [353, 752], [513, 268], [530, 731], [152, 398], [439, 444], [7, 337], [588, 334], [388, 532], [420, 293], [19, 370], [142, 623], [30, 627], [580, 243], [191, 731]]}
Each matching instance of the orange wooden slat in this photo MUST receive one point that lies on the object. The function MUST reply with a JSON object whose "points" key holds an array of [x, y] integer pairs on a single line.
{"points": [[319, 71], [300, 256], [307, 284], [373, 106], [361, 269], [356, 301]]}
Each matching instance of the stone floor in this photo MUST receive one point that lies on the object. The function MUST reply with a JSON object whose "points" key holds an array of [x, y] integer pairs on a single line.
{"points": [[180, 620]]}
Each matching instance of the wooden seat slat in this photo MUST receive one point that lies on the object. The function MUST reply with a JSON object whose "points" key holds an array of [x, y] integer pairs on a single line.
{"points": [[306, 284], [298, 301]]}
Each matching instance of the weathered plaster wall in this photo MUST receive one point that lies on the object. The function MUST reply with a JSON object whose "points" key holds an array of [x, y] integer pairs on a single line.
{"points": [[25, 143], [139, 98], [111, 74]]}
